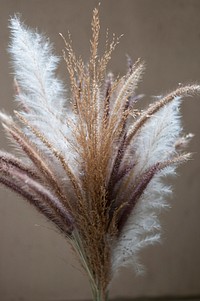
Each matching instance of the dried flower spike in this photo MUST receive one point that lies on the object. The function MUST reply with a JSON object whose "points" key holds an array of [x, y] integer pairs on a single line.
{"points": [[95, 169]]}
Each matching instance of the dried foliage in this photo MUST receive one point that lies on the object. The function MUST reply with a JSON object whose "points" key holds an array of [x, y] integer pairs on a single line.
{"points": [[94, 170]]}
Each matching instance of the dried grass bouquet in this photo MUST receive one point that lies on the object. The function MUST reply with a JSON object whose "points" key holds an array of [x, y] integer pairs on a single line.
{"points": [[92, 163]]}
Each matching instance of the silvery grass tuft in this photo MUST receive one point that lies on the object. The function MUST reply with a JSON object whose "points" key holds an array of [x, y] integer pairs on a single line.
{"points": [[92, 164]]}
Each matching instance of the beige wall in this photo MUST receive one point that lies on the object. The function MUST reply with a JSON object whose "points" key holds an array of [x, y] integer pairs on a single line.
{"points": [[35, 262]]}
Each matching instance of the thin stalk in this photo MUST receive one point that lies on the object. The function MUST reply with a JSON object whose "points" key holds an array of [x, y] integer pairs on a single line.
{"points": [[99, 294]]}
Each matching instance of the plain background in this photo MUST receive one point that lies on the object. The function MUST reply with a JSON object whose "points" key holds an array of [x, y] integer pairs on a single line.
{"points": [[35, 262]]}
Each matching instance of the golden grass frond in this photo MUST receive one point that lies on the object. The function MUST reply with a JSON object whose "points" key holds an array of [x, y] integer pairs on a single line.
{"points": [[188, 90], [36, 157], [55, 152]]}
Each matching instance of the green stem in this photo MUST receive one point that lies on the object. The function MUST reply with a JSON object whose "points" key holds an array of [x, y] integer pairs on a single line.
{"points": [[99, 295]]}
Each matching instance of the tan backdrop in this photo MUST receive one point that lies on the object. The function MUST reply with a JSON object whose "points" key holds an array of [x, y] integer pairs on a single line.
{"points": [[36, 263]]}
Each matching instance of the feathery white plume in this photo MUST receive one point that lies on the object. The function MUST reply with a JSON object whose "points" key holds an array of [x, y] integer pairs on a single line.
{"points": [[35, 68], [40, 93]]}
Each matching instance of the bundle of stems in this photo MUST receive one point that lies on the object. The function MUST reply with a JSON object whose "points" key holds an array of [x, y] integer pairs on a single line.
{"points": [[91, 163]]}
